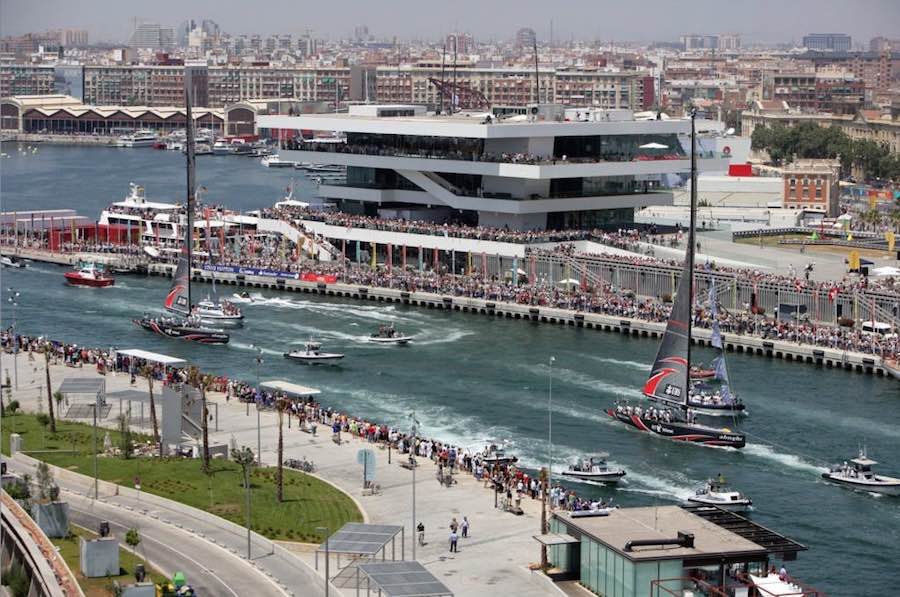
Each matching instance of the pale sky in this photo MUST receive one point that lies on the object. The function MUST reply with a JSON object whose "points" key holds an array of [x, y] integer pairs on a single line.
{"points": [[642, 20]]}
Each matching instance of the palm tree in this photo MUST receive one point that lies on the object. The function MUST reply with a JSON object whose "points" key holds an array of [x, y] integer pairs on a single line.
{"points": [[47, 348], [281, 405], [147, 371]]}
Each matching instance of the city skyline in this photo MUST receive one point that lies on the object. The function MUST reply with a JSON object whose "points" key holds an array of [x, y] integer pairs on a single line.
{"points": [[107, 22]]}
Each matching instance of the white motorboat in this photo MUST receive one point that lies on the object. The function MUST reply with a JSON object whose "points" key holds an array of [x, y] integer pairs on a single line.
{"points": [[142, 138], [273, 161], [387, 334], [594, 468], [496, 455], [312, 354], [858, 474], [223, 147], [594, 510], [242, 297], [715, 493], [218, 312], [12, 261]]}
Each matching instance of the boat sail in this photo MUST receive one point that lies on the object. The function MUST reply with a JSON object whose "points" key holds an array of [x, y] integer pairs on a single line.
{"points": [[184, 326], [669, 380]]}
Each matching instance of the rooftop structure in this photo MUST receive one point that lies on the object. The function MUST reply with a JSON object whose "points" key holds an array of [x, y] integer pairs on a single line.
{"points": [[636, 551], [549, 168]]}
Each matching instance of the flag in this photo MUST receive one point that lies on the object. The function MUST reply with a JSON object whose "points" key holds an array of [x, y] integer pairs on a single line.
{"points": [[390, 257], [890, 237], [374, 256], [725, 393], [853, 261], [832, 294]]}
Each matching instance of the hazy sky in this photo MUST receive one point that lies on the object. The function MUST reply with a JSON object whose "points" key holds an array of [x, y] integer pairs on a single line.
{"points": [[639, 20]]}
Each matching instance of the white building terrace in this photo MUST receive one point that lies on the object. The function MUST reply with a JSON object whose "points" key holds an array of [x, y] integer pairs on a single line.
{"points": [[555, 168]]}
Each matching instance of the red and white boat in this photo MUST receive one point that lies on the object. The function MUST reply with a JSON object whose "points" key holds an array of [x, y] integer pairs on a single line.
{"points": [[90, 275]]}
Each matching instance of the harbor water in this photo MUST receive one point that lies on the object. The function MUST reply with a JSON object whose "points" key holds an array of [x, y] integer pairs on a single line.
{"points": [[472, 379]]}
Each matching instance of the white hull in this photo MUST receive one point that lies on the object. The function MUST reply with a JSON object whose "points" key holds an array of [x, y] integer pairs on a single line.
{"points": [[397, 340], [313, 359], [7, 262], [590, 513], [607, 477], [887, 486], [135, 142], [892, 367], [733, 506]]}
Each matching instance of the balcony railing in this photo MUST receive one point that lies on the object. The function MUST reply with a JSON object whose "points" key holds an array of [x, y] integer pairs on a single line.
{"points": [[462, 192], [473, 156]]}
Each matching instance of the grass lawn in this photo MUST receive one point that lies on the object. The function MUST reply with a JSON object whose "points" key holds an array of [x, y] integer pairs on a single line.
{"points": [[101, 587], [308, 502]]}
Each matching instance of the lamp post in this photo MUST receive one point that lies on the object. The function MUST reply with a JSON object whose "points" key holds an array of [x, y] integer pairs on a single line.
{"points": [[412, 461], [550, 424], [324, 530], [258, 397], [14, 302]]}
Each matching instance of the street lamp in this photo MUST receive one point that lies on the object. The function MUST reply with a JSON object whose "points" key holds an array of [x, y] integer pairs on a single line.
{"points": [[258, 398], [324, 530], [550, 424], [412, 461], [13, 301]]}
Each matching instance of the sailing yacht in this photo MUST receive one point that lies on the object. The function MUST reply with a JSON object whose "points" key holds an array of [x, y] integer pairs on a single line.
{"points": [[183, 325], [669, 382]]}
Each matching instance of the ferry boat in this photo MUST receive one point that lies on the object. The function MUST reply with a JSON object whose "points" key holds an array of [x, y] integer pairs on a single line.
{"points": [[141, 138], [594, 468], [669, 381], [858, 474], [715, 493], [312, 354], [90, 275], [157, 222], [387, 334]]}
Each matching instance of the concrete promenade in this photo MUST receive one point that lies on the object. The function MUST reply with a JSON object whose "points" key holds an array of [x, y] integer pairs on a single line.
{"points": [[495, 556]]}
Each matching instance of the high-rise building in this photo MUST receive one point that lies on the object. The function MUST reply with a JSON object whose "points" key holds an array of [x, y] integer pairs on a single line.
{"points": [[884, 44], [525, 38], [461, 42], [837, 42], [73, 38], [152, 36], [361, 33], [182, 33], [721, 41]]}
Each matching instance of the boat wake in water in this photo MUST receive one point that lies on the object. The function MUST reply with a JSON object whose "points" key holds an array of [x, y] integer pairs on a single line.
{"points": [[251, 348], [619, 363], [789, 460], [576, 378]]}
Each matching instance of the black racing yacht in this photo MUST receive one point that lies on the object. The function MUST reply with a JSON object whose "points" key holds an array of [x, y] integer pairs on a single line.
{"points": [[669, 382], [182, 325]]}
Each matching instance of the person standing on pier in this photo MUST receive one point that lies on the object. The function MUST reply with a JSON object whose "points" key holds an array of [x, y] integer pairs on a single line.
{"points": [[454, 538], [465, 527]]}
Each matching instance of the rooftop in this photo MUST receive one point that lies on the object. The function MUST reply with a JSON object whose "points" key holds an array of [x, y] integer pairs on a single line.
{"points": [[717, 533]]}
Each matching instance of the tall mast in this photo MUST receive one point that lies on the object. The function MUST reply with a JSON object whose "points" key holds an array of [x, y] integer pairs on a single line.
{"points": [[191, 199], [689, 254]]}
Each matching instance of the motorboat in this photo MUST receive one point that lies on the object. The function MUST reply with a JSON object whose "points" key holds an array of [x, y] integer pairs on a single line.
{"points": [[141, 138], [218, 312], [89, 275], [858, 474], [274, 161], [716, 493], [599, 508], [242, 297], [183, 328], [892, 366], [594, 468], [494, 454], [669, 382], [12, 261], [203, 149], [388, 334], [312, 354]]}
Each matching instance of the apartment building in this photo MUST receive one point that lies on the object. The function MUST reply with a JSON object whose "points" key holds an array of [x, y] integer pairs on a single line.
{"points": [[836, 92], [162, 85], [812, 185]]}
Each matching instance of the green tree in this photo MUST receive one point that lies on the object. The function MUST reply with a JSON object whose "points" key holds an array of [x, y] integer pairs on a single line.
{"points": [[147, 371], [133, 539], [44, 480], [202, 382], [126, 438], [46, 349]]}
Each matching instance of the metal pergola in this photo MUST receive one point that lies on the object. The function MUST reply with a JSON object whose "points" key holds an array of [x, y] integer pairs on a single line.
{"points": [[85, 386], [774, 543], [363, 540], [400, 579]]}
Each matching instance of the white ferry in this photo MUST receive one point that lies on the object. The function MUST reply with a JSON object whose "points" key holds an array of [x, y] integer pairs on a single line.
{"points": [[141, 138]]}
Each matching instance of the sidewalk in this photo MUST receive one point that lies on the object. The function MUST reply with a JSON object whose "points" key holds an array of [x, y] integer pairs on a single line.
{"points": [[496, 554]]}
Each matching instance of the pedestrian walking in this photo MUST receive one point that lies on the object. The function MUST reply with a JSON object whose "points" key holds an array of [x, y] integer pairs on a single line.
{"points": [[454, 525], [421, 531], [454, 538], [465, 527]]}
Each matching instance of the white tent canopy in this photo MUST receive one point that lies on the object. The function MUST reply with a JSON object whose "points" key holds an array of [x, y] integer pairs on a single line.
{"points": [[153, 357], [291, 389], [887, 270], [653, 146]]}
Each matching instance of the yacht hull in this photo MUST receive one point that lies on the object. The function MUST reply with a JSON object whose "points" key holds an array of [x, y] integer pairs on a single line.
{"points": [[181, 332], [680, 431], [891, 487]]}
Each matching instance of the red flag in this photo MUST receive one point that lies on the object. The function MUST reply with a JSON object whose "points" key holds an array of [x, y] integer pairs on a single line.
{"points": [[832, 294], [435, 260], [390, 257]]}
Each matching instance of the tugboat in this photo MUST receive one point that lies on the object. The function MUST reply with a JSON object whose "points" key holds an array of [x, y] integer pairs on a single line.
{"points": [[669, 382], [89, 274], [858, 474], [387, 334], [312, 354], [715, 493], [183, 325], [594, 468]]}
